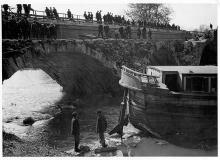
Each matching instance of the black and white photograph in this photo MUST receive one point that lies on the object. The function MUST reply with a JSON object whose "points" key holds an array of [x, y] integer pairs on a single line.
{"points": [[109, 79]]}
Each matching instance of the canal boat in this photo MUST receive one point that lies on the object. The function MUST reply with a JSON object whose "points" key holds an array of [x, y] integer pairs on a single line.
{"points": [[172, 101]]}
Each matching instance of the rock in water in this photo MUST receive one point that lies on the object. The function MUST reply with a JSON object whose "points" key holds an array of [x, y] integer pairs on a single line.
{"points": [[28, 121], [108, 149]]}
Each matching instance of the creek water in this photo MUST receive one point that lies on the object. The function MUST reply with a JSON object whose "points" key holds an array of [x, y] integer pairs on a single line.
{"points": [[32, 93]]}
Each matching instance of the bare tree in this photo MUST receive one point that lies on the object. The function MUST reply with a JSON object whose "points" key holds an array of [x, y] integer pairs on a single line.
{"points": [[151, 12]]}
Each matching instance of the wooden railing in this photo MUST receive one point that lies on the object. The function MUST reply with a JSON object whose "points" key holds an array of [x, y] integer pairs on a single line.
{"points": [[144, 78], [62, 16]]}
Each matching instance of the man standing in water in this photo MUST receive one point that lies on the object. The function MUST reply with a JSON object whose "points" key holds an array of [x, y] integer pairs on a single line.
{"points": [[101, 126], [75, 130]]}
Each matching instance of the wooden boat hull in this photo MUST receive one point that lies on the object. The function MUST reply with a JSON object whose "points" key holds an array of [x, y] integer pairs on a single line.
{"points": [[174, 116], [189, 117]]}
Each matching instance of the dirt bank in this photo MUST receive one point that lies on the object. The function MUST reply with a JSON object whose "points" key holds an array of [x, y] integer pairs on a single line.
{"points": [[16, 147]]}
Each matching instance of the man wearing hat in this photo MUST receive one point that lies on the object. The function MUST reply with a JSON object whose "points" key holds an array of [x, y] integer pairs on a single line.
{"points": [[75, 130]]}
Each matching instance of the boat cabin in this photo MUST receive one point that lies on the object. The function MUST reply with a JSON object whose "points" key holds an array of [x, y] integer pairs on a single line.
{"points": [[186, 78]]}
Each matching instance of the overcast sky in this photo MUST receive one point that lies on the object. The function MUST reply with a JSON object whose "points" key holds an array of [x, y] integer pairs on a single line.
{"points": [[188, 16]]}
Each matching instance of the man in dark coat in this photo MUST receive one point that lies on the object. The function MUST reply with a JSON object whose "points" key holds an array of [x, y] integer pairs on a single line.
{"points": [[106, 30], [43, 31], [121, 31], [51, 12], [97, 16], [101, 126], [30, 9], [19, 9], [91, 17], [24, 28], [6, 7], [144, 32], [13, 28], [75, 130], [26, 10], [128, 31], [47, 12], [85, 15], [210, 26], [5, 27], [55, 13], [69, 14], [139, 33], [100, 30]]}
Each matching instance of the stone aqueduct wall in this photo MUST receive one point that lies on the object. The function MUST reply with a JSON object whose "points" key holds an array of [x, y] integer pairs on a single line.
{"points": [[111, 53], [84, 67]]}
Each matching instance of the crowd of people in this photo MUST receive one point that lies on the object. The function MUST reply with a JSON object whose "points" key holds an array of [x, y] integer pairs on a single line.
{"points": [[22, 27], [109, 18], [158, 25], [69, 14], [98, 16], [88, 17], [143, 32], [27, 8], [51, 13], [122, 32], [18, 25]]}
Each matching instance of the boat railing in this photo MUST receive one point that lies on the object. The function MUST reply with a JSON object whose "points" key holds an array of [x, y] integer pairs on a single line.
{"points": [[142, 77]]}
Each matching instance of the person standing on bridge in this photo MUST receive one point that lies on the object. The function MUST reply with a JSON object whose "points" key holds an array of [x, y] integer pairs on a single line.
{"points": [[69, 14], [47, 12], [55, 13], [51, 13], [91, 17], [98, 17], [85, 15], [5, 7], [26, 10], [210, 26], [19, 9], [30, 9], [75, 130]]}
